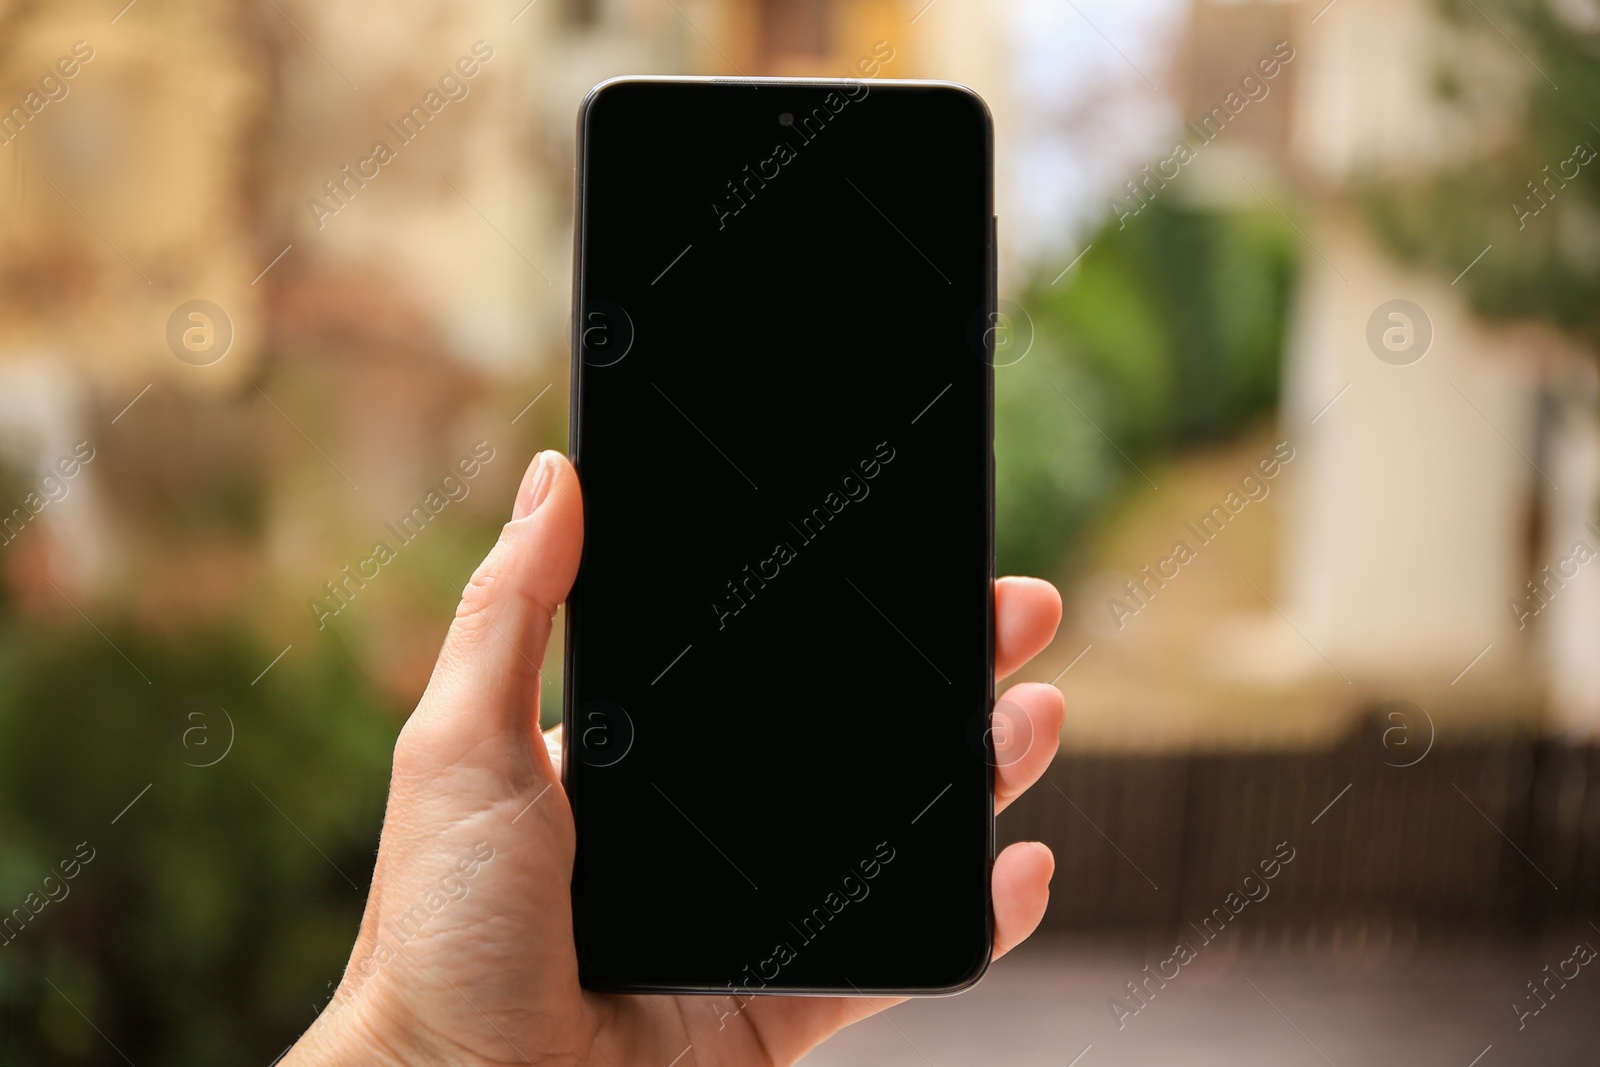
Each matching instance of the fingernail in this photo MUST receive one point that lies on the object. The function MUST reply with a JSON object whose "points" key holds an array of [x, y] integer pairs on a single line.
{"points": [[535, 486]]}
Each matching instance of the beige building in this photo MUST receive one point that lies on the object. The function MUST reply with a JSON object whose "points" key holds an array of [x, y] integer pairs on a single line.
{"points": [[1480, 456], [1447, 462], [1394, 556]]}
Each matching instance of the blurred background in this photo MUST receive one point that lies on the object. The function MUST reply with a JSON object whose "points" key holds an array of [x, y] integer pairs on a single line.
{"points": [[1298, 402]]}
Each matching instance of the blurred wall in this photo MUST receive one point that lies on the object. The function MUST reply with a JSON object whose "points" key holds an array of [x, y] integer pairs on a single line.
{"points": [[1425, 505]]}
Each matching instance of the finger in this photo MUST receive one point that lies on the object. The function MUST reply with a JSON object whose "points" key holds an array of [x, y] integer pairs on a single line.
{"points": [[1022, 875], [1027, 733], [1026, 614], [791, 1026], [482, 701]]}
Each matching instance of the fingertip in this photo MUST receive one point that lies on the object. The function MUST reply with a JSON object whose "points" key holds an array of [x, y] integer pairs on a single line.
{"points": [[1024, 750], [537, 554], [1046, 705], [1040, 854], [535, 485], [1022, 876], [1042, 594], [1027, 615], [562, 493], [1031, 861]]}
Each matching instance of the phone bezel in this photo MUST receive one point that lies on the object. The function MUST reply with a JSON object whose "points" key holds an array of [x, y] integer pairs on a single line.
{"points": [[574, 430]]}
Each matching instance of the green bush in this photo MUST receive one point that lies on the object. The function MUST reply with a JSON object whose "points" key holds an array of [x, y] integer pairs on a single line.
{"points": [[206, 928], [1169, 332]]}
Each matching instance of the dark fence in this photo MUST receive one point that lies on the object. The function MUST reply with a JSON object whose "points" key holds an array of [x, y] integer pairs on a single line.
{"points": [[1496, 835]]}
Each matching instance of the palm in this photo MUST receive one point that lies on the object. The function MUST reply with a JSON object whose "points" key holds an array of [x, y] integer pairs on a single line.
{"points": [[465, 952]]}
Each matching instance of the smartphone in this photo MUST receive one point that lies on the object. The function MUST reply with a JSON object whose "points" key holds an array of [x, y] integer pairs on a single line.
{"points": [[780, 645]]}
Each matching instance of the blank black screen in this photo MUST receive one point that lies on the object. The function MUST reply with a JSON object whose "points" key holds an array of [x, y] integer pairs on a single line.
{"points": [[779, 647]]}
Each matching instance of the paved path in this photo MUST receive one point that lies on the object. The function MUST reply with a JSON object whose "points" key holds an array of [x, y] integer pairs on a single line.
{"points": [[1439, 1007]]}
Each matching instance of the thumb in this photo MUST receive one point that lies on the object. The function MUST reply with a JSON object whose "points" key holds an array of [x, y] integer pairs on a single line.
{"points": [[481, 704]]}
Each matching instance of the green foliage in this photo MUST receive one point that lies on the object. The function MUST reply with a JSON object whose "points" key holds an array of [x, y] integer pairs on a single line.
{"points": [[1544, 224], [1168, 332], [207, 926]]}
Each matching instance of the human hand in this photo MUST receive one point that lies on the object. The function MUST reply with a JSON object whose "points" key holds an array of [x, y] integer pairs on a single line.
{"points": [[465, 954]]}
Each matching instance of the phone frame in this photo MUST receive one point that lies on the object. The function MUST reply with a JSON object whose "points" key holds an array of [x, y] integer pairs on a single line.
{"points": [[580, 255]]}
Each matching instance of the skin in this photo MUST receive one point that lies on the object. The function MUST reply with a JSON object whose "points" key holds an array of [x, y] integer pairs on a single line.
{"points": [[491, 977]]}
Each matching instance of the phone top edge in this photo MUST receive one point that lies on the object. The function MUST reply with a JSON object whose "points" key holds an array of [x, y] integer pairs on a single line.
{"points": [[763, 79], [757, 81], [586, 105]]}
